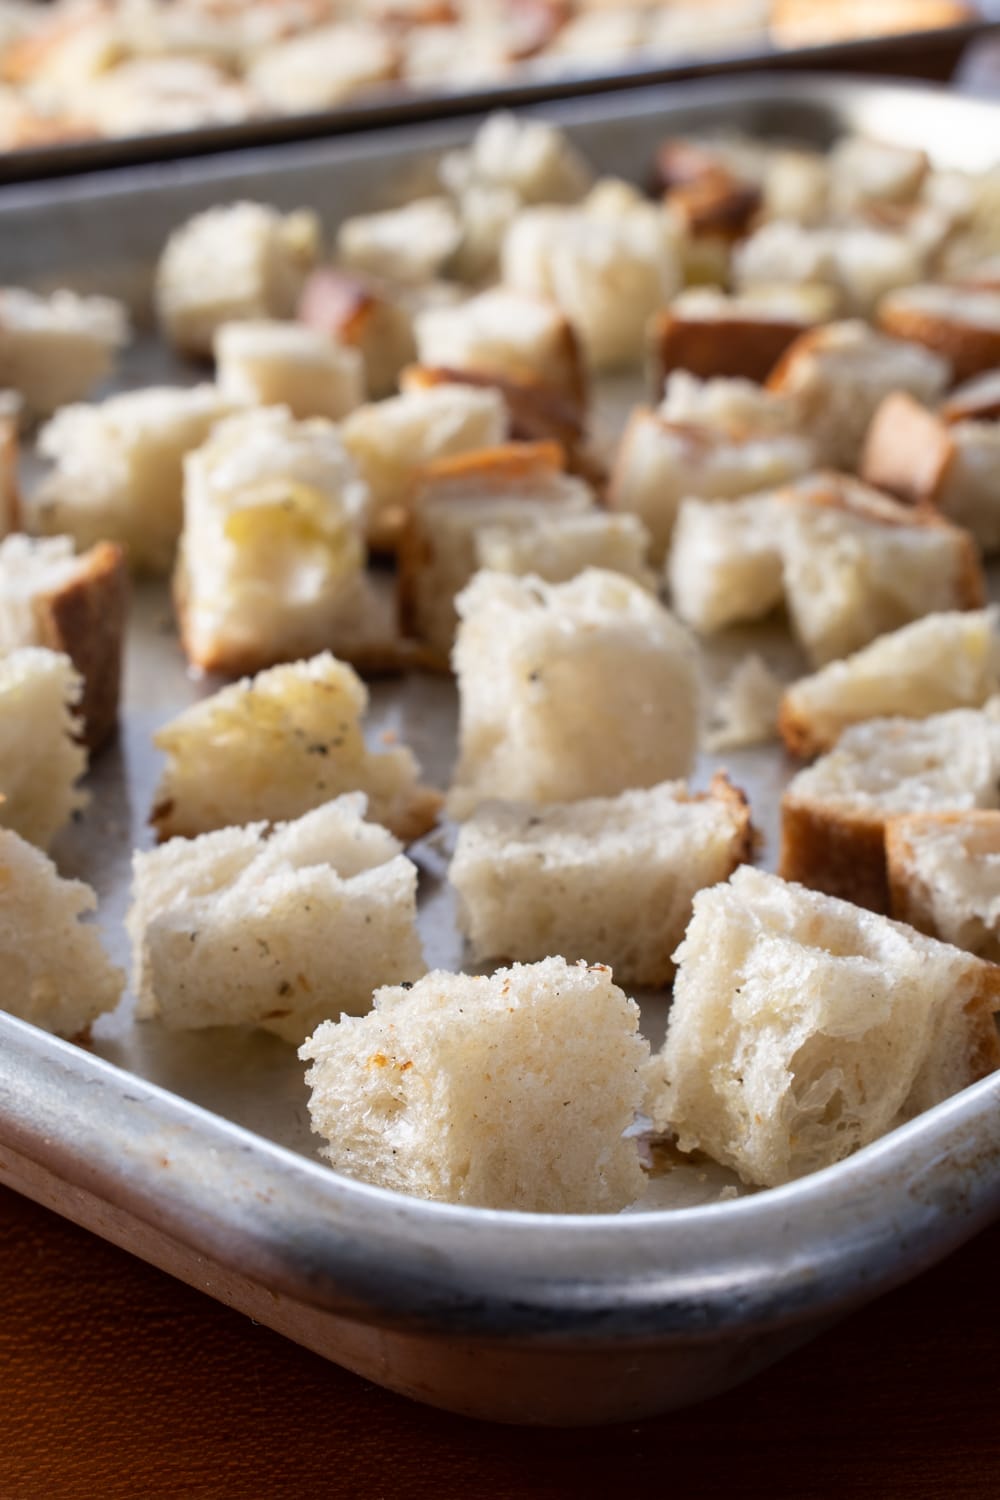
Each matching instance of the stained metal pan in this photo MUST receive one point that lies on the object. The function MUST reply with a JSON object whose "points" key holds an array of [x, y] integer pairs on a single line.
{"points": [[193, 1151]]}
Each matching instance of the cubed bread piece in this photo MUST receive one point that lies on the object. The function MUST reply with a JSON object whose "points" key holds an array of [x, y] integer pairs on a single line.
{"points": [[508, 333], [274, 746], [10, 493], [834, 813], [806, 23], [146, 95], [608, 264], [706, 190], [282, 932], [367, 315], [856, 564], [53, 969], [862, 263], [557, 548], [271, 564], [287, 364], [74, 605], [865, 171], [969, 490], [241, 260], [322, 68], [532, 158], [803, 1029], [392, 441], [515, 485], [410, 244], [607, 879], [56, 348], [118, 470], [660, 462], [943, 661], [511, 1092], [711, 332], [961, 324], [570, 690], [725, 561], [977, 399], [727, 406], [839, 374], [40, 759], [944, 877]]}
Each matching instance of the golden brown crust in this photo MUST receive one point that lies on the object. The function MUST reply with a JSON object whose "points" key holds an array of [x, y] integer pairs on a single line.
{"points": [[807, 343], [86, 618], [906, 904], [808, 23], [737, 345], [716, 204], [799, 734], [908, 450], [412, 820], [721, 789], [835, 852], [969, 348], [10, 495], [977, 400]]}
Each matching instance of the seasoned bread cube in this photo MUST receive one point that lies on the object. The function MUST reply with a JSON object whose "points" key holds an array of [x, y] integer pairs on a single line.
{"points": [[511, 1092], [271, 560], [557, 548], [365, 314], [74, 605], [392, 441], [504, 332], [977, 399], [711, 332], [867, 172], [661, 461], [281, 931], [860, 262], [56, 348], [944, 877], [857, 564], [53, 969], [531, 158], [839, 374], [40, 759], [118, 470], [287, 364], [514, 485], [274, 746], [961, 324], [941, 662], [834, 813], [241, 260], [409, 244], [725, 561], [803, 1029], [570, 690], [322, 68], [606, 879], [608, 264]]}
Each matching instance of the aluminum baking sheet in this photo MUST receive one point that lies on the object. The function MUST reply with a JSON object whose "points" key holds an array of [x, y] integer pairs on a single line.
{"points": [[194, 1150]]}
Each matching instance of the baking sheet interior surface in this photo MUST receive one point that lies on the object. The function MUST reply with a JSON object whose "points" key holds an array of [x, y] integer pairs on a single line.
{"points": [[246, 1076]]}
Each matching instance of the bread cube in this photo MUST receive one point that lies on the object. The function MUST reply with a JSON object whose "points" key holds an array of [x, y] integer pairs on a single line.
{"points": [[803, 1029], [53, 970], [962, 325], [606, 879], [240, 260], [414, 243], [570, 690], [511, 1092], [944, 877], [557, 548], [867, 172], [839, 374], [365, 314], [280, 931], [118, 466], [73, 605], [504, 332], [725, 561], [859, 261], [392, 441], [56, 348], [274, 746], [834, 813], [608, 264], [711, 332], [662, 461], [323, 68], [943, 661], [976, 399], [804, 23], [40, 759], [287, 364], [272, 555], [146, 95], [531, 158]]}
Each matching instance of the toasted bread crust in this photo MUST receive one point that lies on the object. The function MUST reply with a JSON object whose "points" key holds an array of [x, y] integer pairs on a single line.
{"points": [[721, 789], [800, 348], [908, 450], [969, 349], [10, 497], [834, 852], [86, 619], [798, 733], [409, 823], [977, 400], [743, 347]]}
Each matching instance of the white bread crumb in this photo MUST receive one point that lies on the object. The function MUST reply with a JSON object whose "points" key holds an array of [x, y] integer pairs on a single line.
{"points": [[271, 363], [54, 349], [557, 548], [40, 759], [745, 709]]}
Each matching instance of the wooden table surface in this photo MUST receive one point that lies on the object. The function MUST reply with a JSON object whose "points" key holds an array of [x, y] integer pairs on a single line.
{"points": [[117, 1382]]}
